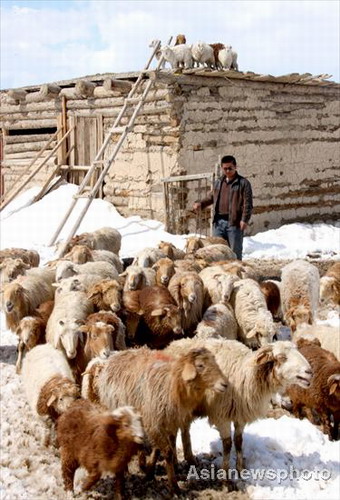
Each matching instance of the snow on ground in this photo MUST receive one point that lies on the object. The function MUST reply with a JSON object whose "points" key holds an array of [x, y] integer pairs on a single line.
{"points": [[284, 446]]}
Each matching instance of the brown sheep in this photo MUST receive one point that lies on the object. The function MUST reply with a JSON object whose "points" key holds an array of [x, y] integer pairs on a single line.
{"points": [[100, 441], [131, 310], [21, 297], [180, 40], [165, 269], [30, 257], [166, 392], [193, 243], [323, 395], [216, 48], [32, 329], [186, 264], [109, 318], [330, 285], [106, 295], [161, 316], [171, 251], [271, 292], [187, 289], [105, 238], [215, 253]]}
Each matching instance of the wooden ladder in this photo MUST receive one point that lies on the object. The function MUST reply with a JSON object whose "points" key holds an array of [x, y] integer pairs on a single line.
{"points": [[87, 191]]}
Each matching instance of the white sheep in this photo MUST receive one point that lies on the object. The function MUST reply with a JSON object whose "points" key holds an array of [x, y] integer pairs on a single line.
{"points": [[256, 324], [138, 277], [218, 285], [225, 58], [148, 257], [215, 253], [203, 54], [77, 283], [218, 321], [67, 268], [69, 313], [253, 377], [300, 284], [49, 383], [178, 56]]}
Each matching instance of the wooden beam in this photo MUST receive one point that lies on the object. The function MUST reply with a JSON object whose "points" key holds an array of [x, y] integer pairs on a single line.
{"points": [[112, 84], [85, 88]]}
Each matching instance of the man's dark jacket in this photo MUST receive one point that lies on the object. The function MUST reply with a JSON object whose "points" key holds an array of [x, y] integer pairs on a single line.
{"points": [[240, 200]]}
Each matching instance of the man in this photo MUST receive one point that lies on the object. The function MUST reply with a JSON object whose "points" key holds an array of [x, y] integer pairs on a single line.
{"points": [[233, 203]]}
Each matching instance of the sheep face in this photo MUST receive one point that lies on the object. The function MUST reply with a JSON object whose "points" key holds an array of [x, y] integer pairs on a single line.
{"points": [[62, 397], [135, 279], [299, 315], [225, 285], [29, 331], [263, 331], [200, 369], [165, 269], [98, 339], [13, 295], [288, 365], [80, 254], [171, 315], [68, 336], [130, 424]]}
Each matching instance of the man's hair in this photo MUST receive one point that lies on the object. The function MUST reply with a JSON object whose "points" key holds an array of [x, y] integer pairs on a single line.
{"points": [[228, 159]]}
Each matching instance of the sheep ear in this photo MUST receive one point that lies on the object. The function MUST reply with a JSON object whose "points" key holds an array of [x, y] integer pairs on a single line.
{"points": [[251, 333], [51, 400], [93, 294], [333, 381], [332, 388], [155, 267], [264, 356], [157, 312], [189, 372]]}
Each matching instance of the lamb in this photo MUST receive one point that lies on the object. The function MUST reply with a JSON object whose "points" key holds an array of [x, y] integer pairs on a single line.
{"points": [[106, 295], [271, 292], [21, 297], [165, 390], [80, 254], [214, 253], [104, 269], [203, 53], [11, 269], [218, 321], [193, 243], [165, 269], [31, 330], [253, 377], [256, 325], [330, 285], [329, 336], [148, 257], [171, 251], [138, 277], [49, 384], [105, 238], [218, 285], [178, 56], [30, 257], [89, 436], [161, 315], [300, 283], [323, 395], [69, 312], [188, 291]]}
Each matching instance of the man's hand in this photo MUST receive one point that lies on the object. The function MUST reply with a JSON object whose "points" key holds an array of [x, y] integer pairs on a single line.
{"points": [[196, 206], [243, 225]]}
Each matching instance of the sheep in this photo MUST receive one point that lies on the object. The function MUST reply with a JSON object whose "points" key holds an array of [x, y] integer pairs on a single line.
{"points": [[105, 238], [203, 53], [30, 257], [329, 336], [214, 253], [118, 328], [234, 55], [90, 379], [218, 285], [237, 267], [187, 264], [323, 395], [218, 321], [256, 325], [31, 330], [161, 316], [69, 312], [165, 390], [180, 40], [11, 269], [300, 283], [148, 257], [225, 58], [131, 312], [216, 48], [178, 56], [253, 377], [193, 243], [188, 291], [80, 254], [46, 275], [106, 295], [21, 297], [330, 285], [138, 277], [165, 269], [48, 383], [171, 251], [100, 441], [271, 292], [104, 269]]}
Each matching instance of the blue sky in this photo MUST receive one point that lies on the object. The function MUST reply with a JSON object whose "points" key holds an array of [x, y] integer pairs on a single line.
{"points": [[45, 41]]}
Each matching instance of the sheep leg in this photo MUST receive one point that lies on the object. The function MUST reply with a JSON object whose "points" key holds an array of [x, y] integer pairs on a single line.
{"points": [[68, 469], [91, 479], [20, 350], [238, 440], [119, 485], [173, 444], [186, 442], [169, 460], [225, 433], [150, 467]]}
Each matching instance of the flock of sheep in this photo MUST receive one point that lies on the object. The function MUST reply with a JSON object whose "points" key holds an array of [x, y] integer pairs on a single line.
{"points": [[117, 355], [181, 55]]}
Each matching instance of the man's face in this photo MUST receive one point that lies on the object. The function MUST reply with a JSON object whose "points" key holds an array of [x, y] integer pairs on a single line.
{"points": [[229, 170]]}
